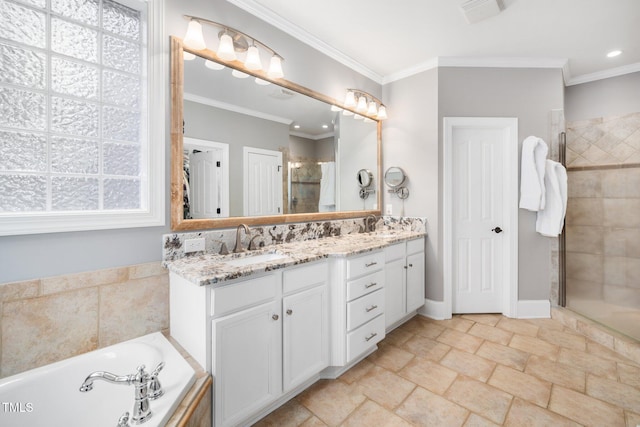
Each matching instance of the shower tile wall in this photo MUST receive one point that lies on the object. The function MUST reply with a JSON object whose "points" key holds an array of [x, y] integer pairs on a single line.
{"points": [[603, 216]]}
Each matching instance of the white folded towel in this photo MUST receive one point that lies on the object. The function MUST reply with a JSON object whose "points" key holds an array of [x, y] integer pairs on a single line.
{"points": [[551, 220], [327, 186], [534, 153]]}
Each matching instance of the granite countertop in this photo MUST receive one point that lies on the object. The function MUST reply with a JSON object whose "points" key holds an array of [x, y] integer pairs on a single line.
{"points": [[214, 269]]}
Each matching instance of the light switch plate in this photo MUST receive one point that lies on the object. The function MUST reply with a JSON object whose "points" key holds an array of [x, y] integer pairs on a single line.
{"points": [[194, 245], [389, 209]]}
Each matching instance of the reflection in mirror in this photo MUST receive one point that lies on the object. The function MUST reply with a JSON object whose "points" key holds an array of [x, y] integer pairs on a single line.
{"points": [[283, 153], [394, 177], [364, 177]]}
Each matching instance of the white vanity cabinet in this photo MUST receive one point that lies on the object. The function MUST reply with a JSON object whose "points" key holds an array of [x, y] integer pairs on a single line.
{"points": [[260, 338], [404, 281], [357, 307]]}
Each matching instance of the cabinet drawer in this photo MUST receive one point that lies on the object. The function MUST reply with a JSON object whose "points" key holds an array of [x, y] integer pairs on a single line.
{"points": [[365, 337], [243, 294], [394, 252], [298, 278], [364, 285], [365, 264], [414, 246], [364, 309]]}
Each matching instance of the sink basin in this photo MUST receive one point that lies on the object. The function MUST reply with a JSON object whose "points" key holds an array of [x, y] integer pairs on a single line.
{"points": [[255, 259]]}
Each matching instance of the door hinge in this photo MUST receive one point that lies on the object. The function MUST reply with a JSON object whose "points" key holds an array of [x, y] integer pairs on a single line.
{"points": [[279, 166], [218, 211], [278, 209], [218, 164]]}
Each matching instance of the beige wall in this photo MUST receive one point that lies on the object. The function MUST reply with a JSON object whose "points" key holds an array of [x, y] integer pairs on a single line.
{"points": [[46, 320]]}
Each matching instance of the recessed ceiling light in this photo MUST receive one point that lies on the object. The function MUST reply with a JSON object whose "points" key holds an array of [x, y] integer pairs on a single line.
{"points": [[325, 126], [613, 53], [296, 126]]}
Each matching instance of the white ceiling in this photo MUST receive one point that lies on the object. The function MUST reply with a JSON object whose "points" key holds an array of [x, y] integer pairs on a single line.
{"points": [[386, 40]]}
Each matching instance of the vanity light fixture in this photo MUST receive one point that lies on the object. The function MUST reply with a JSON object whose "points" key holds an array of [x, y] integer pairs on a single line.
{"points": [[364, 105], [231, 43]]}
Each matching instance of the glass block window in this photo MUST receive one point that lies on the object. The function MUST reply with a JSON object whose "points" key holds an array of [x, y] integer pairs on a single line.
{"points": [[73, 106]]}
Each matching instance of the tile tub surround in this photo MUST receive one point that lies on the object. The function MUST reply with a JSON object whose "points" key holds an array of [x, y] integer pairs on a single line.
{"points": [[46, 320], [282, 233], [419, 378]]}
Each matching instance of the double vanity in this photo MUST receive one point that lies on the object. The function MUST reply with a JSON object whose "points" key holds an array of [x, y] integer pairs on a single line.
{"points": [[269, 323]]}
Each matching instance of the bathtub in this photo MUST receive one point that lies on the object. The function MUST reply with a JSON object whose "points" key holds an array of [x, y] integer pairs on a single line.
{"points": [[50, 395]]}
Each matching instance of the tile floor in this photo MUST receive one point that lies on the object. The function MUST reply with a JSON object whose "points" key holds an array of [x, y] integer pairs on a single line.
{"points": [[476, 370]]}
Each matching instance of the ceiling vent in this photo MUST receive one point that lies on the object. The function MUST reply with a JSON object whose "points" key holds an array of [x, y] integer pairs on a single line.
{"points": [[478, 10]]}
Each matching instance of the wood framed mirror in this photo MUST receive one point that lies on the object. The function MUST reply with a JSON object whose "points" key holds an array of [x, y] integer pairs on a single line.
{"points": [[205, 137]]}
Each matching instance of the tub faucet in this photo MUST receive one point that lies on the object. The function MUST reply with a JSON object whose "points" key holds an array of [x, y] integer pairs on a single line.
{"points": [[141, 380], [239, 247]]}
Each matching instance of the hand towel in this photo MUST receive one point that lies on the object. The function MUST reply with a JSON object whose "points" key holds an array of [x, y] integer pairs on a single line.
{"points": [[551, 220], [532, 170]]}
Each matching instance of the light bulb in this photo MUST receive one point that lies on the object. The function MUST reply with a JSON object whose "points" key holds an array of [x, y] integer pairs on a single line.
{"points": [[239, 74], [349, 100], [213, 65], [382, 112], [194, 38], [188, 56], [262, 82], [368, 120], [225, 49], [253, 59], [362, 105], [275, 68], [373, 109]]}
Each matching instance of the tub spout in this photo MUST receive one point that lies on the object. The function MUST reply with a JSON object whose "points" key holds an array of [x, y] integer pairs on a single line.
{"points": [[87, 385]]}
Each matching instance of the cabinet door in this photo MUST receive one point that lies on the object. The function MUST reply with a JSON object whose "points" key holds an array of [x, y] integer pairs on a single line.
{"points": [[305, 335], [394, 289], [246, 362], [415, 281]]}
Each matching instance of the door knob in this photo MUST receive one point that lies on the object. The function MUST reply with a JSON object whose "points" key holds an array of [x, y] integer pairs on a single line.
{"points": [[497, 230]]}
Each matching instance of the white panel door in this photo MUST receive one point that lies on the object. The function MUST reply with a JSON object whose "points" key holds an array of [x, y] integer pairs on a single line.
{"points": [[205, 181], [262, 182], [478, 244]]}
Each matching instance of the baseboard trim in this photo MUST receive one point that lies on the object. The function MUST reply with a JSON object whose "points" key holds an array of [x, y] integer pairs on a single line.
{"points": [[434, 310], [533, 309]]}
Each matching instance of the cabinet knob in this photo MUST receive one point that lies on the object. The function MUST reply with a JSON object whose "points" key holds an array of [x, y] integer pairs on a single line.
{"points": [[410, 265], [405, 267], [289, 311], [275, 317]]}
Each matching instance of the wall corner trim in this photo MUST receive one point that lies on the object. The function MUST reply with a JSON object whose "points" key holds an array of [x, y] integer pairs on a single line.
{"points": [[434, 310], [533, 309]]}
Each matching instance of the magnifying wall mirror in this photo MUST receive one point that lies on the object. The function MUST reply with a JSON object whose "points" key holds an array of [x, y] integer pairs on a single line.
{"points": [[364, 177], [394, 177], [210, 113]]}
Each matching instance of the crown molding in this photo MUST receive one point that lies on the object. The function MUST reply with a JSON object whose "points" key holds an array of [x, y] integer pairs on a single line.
{"points": [[408, 72], [310, 136], [236, 109], [605, 74], [295, 31]]}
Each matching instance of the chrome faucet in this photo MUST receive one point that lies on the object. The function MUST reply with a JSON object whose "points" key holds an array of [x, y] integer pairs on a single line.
{"points": [[141, 380], [239, 247], [370, 223]]}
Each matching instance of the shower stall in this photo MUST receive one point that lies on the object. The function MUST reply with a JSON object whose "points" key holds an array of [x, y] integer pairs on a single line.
{"points": [[602, 227]]}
